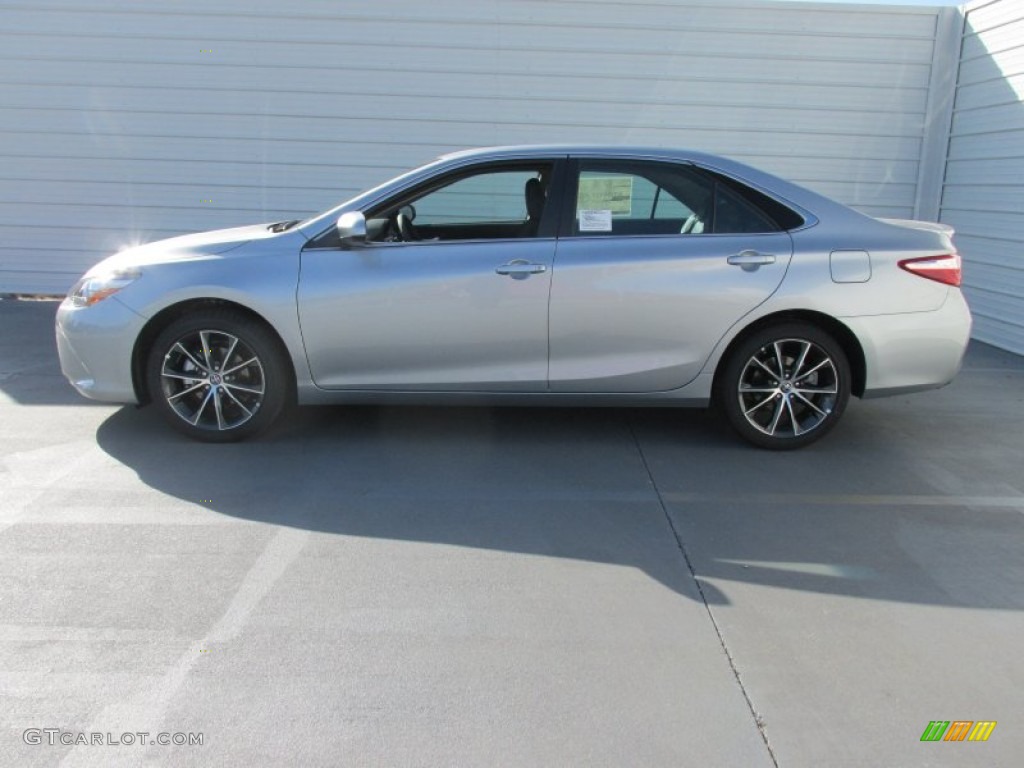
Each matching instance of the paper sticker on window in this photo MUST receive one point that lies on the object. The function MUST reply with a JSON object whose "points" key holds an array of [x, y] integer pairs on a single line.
{"points": [[600, 192], [595, 221]]}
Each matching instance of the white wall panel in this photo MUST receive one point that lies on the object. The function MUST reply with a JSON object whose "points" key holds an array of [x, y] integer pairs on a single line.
{"points": [[983, 193], [119, 118]]}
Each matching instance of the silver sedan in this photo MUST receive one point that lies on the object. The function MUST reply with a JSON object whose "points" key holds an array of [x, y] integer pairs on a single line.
{"points": [[550, 275]]}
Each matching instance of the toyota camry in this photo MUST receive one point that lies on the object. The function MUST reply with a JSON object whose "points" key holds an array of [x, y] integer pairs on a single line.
{"points": [[541, 275]]}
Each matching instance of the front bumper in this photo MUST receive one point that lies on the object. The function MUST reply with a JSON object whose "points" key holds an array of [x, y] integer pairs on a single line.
{"points": [[95, 347]]}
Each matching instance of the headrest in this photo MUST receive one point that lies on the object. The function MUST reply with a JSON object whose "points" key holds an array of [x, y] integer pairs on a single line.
{"points": [[534, 198]]}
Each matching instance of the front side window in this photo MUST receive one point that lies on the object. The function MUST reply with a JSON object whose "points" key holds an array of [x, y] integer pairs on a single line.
{"points": [[651, 198], [506, 202], [497, 197]]}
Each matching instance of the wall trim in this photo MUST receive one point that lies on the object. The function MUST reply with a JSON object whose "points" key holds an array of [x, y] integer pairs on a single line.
{"points": [[949, 34]]}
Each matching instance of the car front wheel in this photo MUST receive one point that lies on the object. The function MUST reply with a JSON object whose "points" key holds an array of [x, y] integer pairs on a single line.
{"points": [[217, 375], [785, 386]]}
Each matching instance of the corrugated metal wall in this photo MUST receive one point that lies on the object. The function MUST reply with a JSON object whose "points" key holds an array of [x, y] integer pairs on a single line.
{"points": [[127, 120], [983, 194]]}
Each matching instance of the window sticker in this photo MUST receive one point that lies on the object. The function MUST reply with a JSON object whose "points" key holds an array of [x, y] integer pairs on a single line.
{"points": [[612, 192], [595, 221]]}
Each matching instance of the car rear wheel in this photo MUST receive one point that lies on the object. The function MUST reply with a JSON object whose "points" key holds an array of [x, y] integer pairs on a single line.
{"points": [[217, 375], [785, 386]]}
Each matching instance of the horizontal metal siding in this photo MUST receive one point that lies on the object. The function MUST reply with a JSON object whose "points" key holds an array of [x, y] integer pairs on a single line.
{"points": [[124, 122], [983, 193]]}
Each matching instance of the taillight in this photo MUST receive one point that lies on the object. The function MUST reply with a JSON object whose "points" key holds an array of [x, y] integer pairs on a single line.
{"points": [[944, 269]]}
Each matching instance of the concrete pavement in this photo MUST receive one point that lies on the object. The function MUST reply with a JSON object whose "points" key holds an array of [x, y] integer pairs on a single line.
{"points": [[431, 586]]}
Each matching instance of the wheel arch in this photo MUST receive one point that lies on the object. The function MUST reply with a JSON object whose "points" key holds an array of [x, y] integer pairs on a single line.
{"points": [[168, 315], [846, 339]]}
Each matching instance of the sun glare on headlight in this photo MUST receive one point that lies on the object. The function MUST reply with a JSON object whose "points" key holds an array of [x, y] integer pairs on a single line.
{"points": [[93, 289]]}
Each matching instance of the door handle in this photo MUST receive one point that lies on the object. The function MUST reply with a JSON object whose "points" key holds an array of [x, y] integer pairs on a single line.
{"points": [[751, 260], [520, 269]]}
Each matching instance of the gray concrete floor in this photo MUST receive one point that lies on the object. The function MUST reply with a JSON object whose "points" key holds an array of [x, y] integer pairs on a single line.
{"points": [[429, 586]]}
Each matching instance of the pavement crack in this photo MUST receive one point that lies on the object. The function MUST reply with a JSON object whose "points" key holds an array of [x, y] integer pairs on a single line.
{"points": [[757, 717]]}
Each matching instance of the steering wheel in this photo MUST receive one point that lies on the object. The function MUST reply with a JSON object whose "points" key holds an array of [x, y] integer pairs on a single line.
{"points": [[405, 229]]}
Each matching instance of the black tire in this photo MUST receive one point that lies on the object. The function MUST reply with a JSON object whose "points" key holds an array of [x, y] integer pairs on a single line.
{"points": [[788, 408], [218, 376]]}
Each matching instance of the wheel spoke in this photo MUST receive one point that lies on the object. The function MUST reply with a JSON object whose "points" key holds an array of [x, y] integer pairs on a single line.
{"points": [[800, 395], [776, 417], [220, 414], [767, 370], [188, 354], [747, 390], [184, 392], [239, 403], [204, 339], [230, 352], [820, 365], [792, 416], [800, 363], [751, 410], [243, 389], [250, 361], [199, 413], [815, 391], [778, 359], [181, 376]]}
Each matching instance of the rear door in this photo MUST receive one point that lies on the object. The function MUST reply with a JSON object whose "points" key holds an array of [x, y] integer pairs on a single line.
{"points": [[658, 262]]}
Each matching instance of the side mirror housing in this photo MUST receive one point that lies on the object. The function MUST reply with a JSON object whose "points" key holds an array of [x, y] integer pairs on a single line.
{"points": [[351, 228]]}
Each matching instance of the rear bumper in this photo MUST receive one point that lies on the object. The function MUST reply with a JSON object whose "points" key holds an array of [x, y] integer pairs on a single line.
{"points": [[914, 351], [95, 348]]}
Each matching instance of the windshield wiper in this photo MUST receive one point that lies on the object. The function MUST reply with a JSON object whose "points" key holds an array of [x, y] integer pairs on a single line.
{"points": [[281, 226]]}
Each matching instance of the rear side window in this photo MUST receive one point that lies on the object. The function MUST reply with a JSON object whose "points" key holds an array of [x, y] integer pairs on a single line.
{"points": [[638, 198], [616, 197]]}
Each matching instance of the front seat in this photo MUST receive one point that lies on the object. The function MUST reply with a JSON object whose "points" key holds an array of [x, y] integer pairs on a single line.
{"points": [[535, 196], [694, 225]]}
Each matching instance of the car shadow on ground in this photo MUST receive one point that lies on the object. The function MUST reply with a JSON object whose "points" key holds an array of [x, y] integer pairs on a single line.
{"points": [[577, 484], [562, 483]]}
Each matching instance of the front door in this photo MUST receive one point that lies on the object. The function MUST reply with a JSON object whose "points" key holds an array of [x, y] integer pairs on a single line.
{"points": [[450, 292]]}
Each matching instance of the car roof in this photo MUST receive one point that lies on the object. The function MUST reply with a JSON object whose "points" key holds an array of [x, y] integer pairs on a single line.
{"points": [[554, 150]]}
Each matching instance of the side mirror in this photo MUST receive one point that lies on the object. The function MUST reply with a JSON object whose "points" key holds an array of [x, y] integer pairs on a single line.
{"points": [[351, 228]]}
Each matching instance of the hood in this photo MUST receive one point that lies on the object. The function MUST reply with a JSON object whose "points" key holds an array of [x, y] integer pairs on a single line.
{"points": [[924, 226], [187, 247]]}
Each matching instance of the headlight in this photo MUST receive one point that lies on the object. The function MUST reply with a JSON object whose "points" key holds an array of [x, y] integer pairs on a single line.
{"points": [[90, 290]]}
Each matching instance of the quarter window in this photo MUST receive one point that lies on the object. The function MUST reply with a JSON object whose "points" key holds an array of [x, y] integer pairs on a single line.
{"points": [[734, 215]]}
